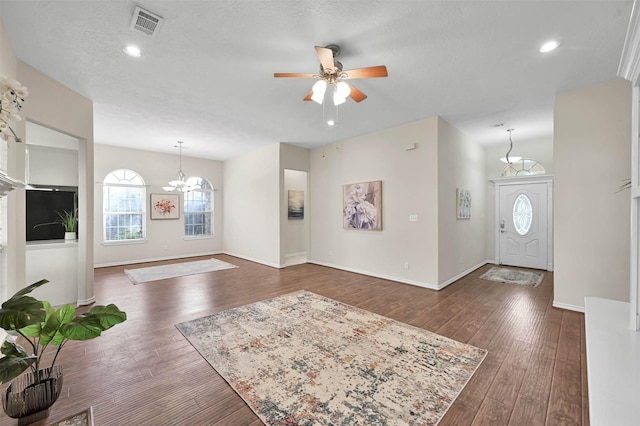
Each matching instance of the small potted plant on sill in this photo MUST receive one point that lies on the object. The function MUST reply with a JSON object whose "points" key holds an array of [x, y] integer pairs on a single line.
{"points": [[29, 396], [68, 220]]}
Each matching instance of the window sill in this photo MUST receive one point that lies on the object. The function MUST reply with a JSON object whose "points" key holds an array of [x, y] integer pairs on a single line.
{"points": [[124, 242], [199, 237]]}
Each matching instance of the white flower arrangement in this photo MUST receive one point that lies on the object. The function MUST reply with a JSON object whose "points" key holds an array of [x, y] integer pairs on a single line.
{"points": [[12, 95]]}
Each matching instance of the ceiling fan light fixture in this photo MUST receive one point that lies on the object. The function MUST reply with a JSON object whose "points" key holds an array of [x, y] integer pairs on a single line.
{"points": [[341, 92], [318, 90]]}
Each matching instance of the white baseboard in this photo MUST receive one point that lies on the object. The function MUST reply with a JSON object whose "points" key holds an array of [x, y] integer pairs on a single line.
{"points": [[155, 259], [462, 274], [300, 253], [373, 274], [251, 259], [86, 302], [568, 307]]}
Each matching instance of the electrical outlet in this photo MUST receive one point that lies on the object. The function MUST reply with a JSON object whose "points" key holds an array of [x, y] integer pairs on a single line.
{"points": [[406, 265]]}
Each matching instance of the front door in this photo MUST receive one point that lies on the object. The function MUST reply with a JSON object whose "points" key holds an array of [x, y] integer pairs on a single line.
{"points": [[522, 225]]}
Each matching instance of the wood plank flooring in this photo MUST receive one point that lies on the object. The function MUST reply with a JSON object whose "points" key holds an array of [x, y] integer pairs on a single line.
{"points": [[144, 372]]}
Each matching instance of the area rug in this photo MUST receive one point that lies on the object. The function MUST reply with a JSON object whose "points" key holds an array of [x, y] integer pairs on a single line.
{"points": [[154, 273], [513, 276], [303, 359]]}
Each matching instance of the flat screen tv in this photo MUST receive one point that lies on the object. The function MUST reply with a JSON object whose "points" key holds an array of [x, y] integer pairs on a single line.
{"points": [[42, 207]]}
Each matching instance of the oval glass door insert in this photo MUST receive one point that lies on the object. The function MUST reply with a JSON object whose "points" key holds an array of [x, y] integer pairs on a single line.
{"points": [[522, 214]]}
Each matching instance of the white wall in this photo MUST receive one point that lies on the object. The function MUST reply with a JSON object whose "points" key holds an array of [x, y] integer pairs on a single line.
{"points": [[55, 106], [409, 187], [461, 165], [8, 204], [591, 219], [165, 238], [251, 204], [52, 166], [537, 149]]}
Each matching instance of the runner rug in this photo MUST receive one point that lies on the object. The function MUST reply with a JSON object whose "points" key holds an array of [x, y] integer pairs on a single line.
{"points": [[513, 276], [155, 273], [303, 359]]}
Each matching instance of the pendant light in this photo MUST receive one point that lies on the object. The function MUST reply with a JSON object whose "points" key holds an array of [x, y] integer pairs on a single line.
{"points": [[180, 183], [510, 159]]}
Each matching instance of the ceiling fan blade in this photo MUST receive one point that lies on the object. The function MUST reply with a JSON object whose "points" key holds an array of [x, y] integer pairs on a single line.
{"points": [[369, 72], [308, 97], [356, 94], [293, 74], [326, 59]]}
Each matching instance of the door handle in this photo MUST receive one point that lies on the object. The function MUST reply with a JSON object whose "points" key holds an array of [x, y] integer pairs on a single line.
{"points": [[502, 230]]}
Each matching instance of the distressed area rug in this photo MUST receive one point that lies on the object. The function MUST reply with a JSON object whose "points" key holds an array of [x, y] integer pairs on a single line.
{"points": [[155, 273], [303, 359], [513, 276]]}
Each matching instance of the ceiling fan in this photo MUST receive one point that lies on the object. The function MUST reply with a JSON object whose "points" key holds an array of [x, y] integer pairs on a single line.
{"points": [[331, 75]]}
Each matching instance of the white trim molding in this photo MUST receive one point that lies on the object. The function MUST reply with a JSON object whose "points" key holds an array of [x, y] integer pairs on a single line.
{"points": [[399, 279], [629, 67], [568, 307], [155, 259], [86, 302]]}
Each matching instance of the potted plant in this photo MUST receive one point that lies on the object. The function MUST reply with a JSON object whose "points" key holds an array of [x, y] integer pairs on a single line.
{"points": [[29, 397], [68, 220]]}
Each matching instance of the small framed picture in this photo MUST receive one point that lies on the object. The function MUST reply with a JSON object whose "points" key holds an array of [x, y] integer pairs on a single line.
{"points": [[165, 206], [295, 206], [463, 198]]}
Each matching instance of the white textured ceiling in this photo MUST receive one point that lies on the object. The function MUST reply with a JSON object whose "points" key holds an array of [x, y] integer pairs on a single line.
{"points": [[207, 77]]}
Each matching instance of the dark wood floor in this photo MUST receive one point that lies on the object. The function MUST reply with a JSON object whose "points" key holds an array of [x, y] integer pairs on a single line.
{"points": [[144, 372]]}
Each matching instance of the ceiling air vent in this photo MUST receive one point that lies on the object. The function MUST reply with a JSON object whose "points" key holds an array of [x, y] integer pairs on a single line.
{"points": [[145, 22]]}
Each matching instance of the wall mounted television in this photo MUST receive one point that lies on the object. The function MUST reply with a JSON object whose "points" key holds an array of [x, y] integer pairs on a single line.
{"points": [[42, 204]]}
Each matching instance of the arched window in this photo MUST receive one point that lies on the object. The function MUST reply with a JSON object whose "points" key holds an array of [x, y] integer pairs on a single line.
{"points": [[198, 208], [124, 195]]}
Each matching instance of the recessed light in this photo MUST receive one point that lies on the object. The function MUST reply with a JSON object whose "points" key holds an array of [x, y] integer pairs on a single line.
{"points": [[549, 46], [132, 51]]}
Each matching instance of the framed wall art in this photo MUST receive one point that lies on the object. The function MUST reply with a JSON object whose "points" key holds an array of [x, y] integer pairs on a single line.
{"points": [[295, 206], [463, 201], [165, 206], [362, 205]]}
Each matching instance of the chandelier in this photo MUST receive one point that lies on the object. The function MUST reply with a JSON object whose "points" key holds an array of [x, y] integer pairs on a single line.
{"points": [[180, 184]]}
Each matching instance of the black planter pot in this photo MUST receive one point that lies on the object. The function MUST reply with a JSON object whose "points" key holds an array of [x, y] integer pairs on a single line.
{"points": [[28, 402]]}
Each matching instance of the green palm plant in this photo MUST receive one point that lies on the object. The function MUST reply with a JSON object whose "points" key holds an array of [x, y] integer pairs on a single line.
{"points": [[67, 219], [43, 326]]}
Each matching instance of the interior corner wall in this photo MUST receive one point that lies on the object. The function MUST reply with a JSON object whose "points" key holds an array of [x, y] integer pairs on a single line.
{"points": [[461, 242], [540, 150], [294, 230], [294, 234], [164, 238], [251, 205], [409, 187], [592, 151]]}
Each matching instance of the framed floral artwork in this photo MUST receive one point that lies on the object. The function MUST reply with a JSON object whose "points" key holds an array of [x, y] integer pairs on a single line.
{"points": [[165, 206], [463, 199], [362, 205]]}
